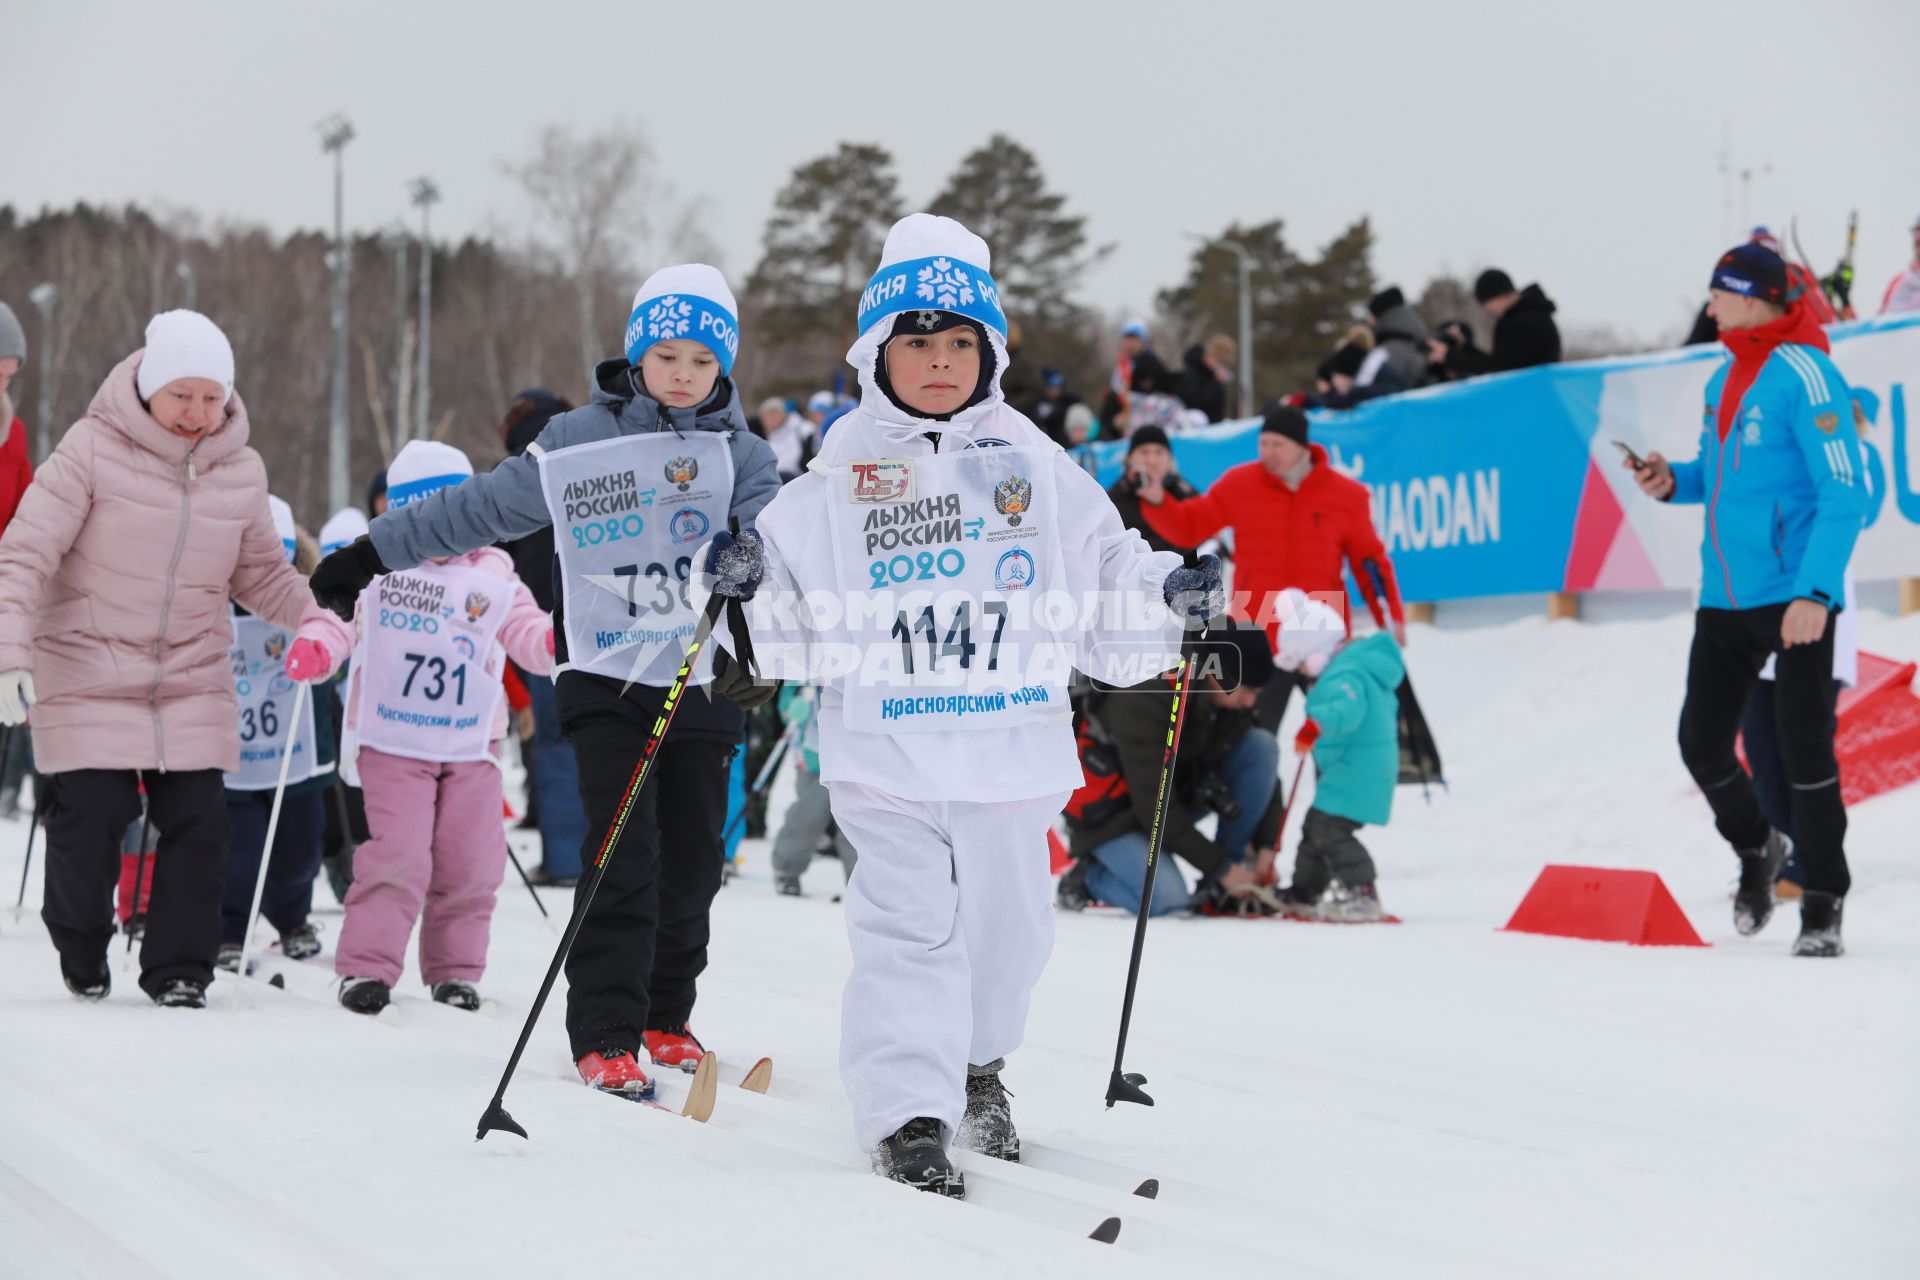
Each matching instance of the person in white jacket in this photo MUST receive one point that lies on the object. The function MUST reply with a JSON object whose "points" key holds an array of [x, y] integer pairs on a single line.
{"points": [[907, 570]]}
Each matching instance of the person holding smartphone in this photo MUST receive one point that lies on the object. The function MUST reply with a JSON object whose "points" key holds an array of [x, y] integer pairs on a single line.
{"points": [[1781, 475], [1149, 462]]}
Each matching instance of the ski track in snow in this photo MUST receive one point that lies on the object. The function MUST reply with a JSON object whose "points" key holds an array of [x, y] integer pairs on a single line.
{"points": [[1436, 1099]]}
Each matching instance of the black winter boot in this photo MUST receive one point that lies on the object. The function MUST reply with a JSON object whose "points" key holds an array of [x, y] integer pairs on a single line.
{"points": [[457, 992], [1759, 868], [988, 1125], [913, 1155], [365, 995], [88, 981], [1819, 925], [181, 993]]}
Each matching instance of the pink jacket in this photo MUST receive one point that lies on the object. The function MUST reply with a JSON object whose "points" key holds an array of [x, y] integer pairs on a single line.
{"points": [[114, 580], [525, 636]]}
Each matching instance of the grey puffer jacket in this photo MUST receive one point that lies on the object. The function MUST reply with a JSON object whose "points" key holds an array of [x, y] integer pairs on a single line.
{"points": [[1403, 336], [508, 503]]}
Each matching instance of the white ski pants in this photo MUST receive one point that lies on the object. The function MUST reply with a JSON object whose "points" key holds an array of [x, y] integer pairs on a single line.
{"points": [[950, 918]]}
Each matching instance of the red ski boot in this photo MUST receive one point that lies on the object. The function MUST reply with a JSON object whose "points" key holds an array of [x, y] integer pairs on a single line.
{"points": [[615, 1071], [675, 1047]]}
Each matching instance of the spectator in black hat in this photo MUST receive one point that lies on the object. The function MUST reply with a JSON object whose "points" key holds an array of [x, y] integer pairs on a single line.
{"points": [[1400, 336], [1050, 414], [1524, 332], [1149, 461]]}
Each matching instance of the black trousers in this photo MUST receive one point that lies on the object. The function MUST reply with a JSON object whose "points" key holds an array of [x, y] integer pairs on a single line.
{"points": [[286, 900], [88, 813], [1757, 731], [1730, 646], [643, 943]]}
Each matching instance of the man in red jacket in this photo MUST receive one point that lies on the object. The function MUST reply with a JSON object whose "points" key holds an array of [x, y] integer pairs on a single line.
{"points": [[16, 470], [1295, 520]]}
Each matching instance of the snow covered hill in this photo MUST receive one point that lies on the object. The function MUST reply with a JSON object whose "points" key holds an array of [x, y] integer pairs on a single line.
{"points": [[1437, 1099]]}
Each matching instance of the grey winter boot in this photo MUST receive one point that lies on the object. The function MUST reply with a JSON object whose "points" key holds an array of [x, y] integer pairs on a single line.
{"points": [[1819, 925], [913, 1154], [988, 1125], [1759, 868]]}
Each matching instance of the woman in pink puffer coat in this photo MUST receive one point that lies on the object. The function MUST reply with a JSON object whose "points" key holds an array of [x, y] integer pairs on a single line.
{"points": [[114, 630]]}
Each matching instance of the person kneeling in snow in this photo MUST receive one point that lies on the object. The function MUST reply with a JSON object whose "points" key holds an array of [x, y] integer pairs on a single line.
{"points": [[1352, 728], [945, 740]]}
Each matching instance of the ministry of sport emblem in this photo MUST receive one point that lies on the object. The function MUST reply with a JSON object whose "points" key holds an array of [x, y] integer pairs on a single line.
{"points": [[1013, 571], [1013, 496], [681, 471], [276, 645], [477, 605], [1827, 422]]}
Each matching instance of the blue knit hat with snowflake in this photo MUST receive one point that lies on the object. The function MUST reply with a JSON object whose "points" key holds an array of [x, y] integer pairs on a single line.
{"points": [[932, 263], [689, 301]]}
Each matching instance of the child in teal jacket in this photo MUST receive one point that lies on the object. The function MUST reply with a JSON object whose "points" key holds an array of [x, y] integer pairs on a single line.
{"points": [[1353, 730]]}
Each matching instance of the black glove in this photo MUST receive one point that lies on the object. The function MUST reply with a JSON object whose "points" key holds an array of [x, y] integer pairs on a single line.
{"points": [[1195, 593], [736, 682], [342, 576]]}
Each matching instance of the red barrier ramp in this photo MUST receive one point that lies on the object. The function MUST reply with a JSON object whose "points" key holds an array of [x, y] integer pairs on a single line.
{"points": [[1878, 738], [1604, 904]]}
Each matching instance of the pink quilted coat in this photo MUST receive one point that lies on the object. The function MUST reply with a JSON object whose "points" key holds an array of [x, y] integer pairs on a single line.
{"points": [[114, 581]]}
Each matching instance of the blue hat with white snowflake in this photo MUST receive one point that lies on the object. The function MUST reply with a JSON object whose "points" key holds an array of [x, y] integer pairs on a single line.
{"points": [[932, 263], [689, 301]]}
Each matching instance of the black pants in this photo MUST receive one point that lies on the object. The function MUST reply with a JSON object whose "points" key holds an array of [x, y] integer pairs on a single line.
{"points": [[1270, 708], [1762, 741], [88, 813], [1729, 648], [644, 941], [1330, 850], [287, 898]]}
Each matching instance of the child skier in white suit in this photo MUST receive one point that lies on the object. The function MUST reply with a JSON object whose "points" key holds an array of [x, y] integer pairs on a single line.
{"points": [[949, 751]]}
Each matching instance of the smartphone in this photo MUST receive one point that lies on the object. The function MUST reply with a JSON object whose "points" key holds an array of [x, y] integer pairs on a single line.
{"points": [[1639, 463]]}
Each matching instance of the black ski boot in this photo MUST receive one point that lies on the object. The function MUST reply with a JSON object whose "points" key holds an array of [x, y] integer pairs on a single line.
{"points": [[913, 1155], [458, 993], [1819, 925], [1071, 893], [228, 957], [301, 942], [88, 981], [787, 886], [1759, 868], [364, 995], [988, 1125], [181, 993]]}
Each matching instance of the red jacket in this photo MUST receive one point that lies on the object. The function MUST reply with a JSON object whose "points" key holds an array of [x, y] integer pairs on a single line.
{"points": [[1286, 539], [16, 468]]}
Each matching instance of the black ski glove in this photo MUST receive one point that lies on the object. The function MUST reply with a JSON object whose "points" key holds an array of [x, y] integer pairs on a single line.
{"points": [[1194, 593], [736, 682], [342, 576]]}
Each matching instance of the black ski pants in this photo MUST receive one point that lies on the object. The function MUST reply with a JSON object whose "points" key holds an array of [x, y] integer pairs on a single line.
{"points": [[643, 943], [87, 815], [1730, 646]]}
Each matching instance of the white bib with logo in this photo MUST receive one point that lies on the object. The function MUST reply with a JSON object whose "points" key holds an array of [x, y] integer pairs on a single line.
{"points": [[628, 515], [421, 662], [266, 696], [951, 570]]}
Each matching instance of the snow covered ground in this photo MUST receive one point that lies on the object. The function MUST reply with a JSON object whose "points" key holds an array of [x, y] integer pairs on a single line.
{"points": [[1437, 1099]]}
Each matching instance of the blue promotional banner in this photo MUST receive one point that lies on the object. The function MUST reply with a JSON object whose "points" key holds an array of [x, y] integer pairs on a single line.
{"points": [[1510, 484]]}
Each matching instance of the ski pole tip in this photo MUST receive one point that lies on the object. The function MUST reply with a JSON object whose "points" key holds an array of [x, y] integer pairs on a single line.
{"points": [[496, 1117]]}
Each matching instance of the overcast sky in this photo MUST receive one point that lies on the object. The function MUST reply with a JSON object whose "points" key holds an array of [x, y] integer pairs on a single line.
{"points": [[1579, 145]]}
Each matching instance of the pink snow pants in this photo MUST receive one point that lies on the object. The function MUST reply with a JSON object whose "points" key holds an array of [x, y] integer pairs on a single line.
{"points": [[438, 853]]}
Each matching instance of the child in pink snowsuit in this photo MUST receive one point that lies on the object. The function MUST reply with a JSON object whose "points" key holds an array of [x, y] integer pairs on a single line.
{"points": [[425, 720]]}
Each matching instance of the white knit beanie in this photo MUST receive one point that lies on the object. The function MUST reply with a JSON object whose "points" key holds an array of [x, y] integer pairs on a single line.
{"points": [[932, 263], [423, 467], [342, 527], [183, 344], [687, 301], [283, 525], [1310, 632]]}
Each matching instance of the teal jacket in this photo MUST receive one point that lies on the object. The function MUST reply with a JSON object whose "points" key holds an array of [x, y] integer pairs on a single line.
{"points": [[1356, 704]]}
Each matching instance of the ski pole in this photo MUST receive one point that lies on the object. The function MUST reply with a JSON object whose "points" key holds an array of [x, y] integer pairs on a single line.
{"points": [[1286, 811], [759, 782], [33, 829], [273, 825], [139, 877], [525, 880], [495, 1116], [1125, 1086]]}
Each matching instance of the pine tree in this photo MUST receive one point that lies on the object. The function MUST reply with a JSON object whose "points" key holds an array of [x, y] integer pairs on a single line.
{"points": [[1300, 307]]}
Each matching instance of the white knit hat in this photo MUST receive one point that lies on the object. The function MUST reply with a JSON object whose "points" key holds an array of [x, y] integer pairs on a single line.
{"points": [[342, 527], [283, 525], [423, 467], [687, 301], [1310, 631], [932, 263], [183, 344]]}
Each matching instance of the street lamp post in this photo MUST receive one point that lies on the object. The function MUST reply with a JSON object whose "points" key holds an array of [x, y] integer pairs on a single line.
{"points": [[189, 282], [424, 195], [398, 238], [43, 296], [1245, 256], [335, 134]]}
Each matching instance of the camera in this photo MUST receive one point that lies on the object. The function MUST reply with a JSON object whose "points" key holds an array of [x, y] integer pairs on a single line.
{"points": [[1212, 792]]}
